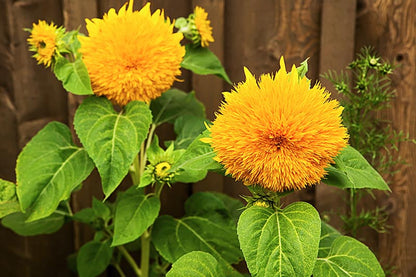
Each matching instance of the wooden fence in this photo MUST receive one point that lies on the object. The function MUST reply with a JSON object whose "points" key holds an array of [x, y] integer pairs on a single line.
{"points": [[247, 33]]}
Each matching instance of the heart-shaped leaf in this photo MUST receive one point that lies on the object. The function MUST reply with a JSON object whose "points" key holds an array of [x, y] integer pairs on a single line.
{"points": [[328, 235], [351, 170], [73, 75], [174, 238], [350, 258], [93, 258], [280, 243], [173, 104], [135, 212], [19, 224], [112, 139], [48, 169], [196, 264], [201, 60]]}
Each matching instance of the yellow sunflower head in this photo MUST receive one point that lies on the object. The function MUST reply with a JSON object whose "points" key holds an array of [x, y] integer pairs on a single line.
{"points": [[278, 133], [43, 40], [132, 55], [196, 27], [203, 25]]}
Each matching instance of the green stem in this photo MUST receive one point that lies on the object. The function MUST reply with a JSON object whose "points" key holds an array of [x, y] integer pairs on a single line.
{"points": [[145, 258], [130, 260], [353, 211], [68, 206], [134, 171], [119, 270]]}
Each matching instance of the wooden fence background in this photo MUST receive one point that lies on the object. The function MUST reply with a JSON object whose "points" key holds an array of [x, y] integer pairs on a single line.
{"points": [[247, 33]]}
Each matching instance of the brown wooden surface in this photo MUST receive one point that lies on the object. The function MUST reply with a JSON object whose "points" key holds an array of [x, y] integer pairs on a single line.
{"points": [[247, 33]]}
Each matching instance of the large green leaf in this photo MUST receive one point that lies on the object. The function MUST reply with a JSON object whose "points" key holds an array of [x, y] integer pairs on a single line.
{"points": [[195, 162], [351, 170], [112, 139], [135, 212], [280, 243], [174, 238], [8, 198], [350, 258], [19, 224], [328, 235], [173, 104], [73, 75], [201, 60], [187, 128], [214, 206], [196, 264], [48, 169], [93, 258]]}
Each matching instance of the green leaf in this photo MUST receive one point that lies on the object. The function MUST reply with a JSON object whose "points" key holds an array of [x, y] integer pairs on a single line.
{"points": [[86, 215], [195, 162], [303, 68], [280, 243], [351, 170], [201, 60], [350, 258], [196, 264], [100, 209], [187, 128], [328, 235], [214, 206], [174, 238], [48, 169], [112, 139], [73, 75], [173, 104], [19, 224], [72, 43], [8, 198], [93, 258], [135, 212]]}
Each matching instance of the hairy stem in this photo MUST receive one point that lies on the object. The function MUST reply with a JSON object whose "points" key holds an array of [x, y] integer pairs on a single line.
{"points": [[145, 257], [130, 260]]}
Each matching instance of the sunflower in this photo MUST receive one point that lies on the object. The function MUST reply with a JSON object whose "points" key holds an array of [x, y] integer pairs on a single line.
{"points": [[132, 55], [278, 133], [43, 40], [203, 26]]}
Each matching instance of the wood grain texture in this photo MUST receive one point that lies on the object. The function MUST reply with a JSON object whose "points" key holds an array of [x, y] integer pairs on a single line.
{"points": [[390, 27], [36, 98], [336, 52]]}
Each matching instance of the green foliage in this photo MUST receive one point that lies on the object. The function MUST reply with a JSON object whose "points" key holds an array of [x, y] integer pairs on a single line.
{"points": [[73, 75], [351, 170], [8, 198], [195, 162], [173, 104], [283, 242], [93, 258], [187, 128], [201, 60], [348, 257], [48, 169], [18, 222], [206, 227], [196, 264], [369, 91], [135, 212], [112, 139], [328, 235]]}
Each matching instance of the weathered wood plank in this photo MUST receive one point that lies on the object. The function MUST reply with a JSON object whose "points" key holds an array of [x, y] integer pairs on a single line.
{"points": [[336, 52], [389, 26]]}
